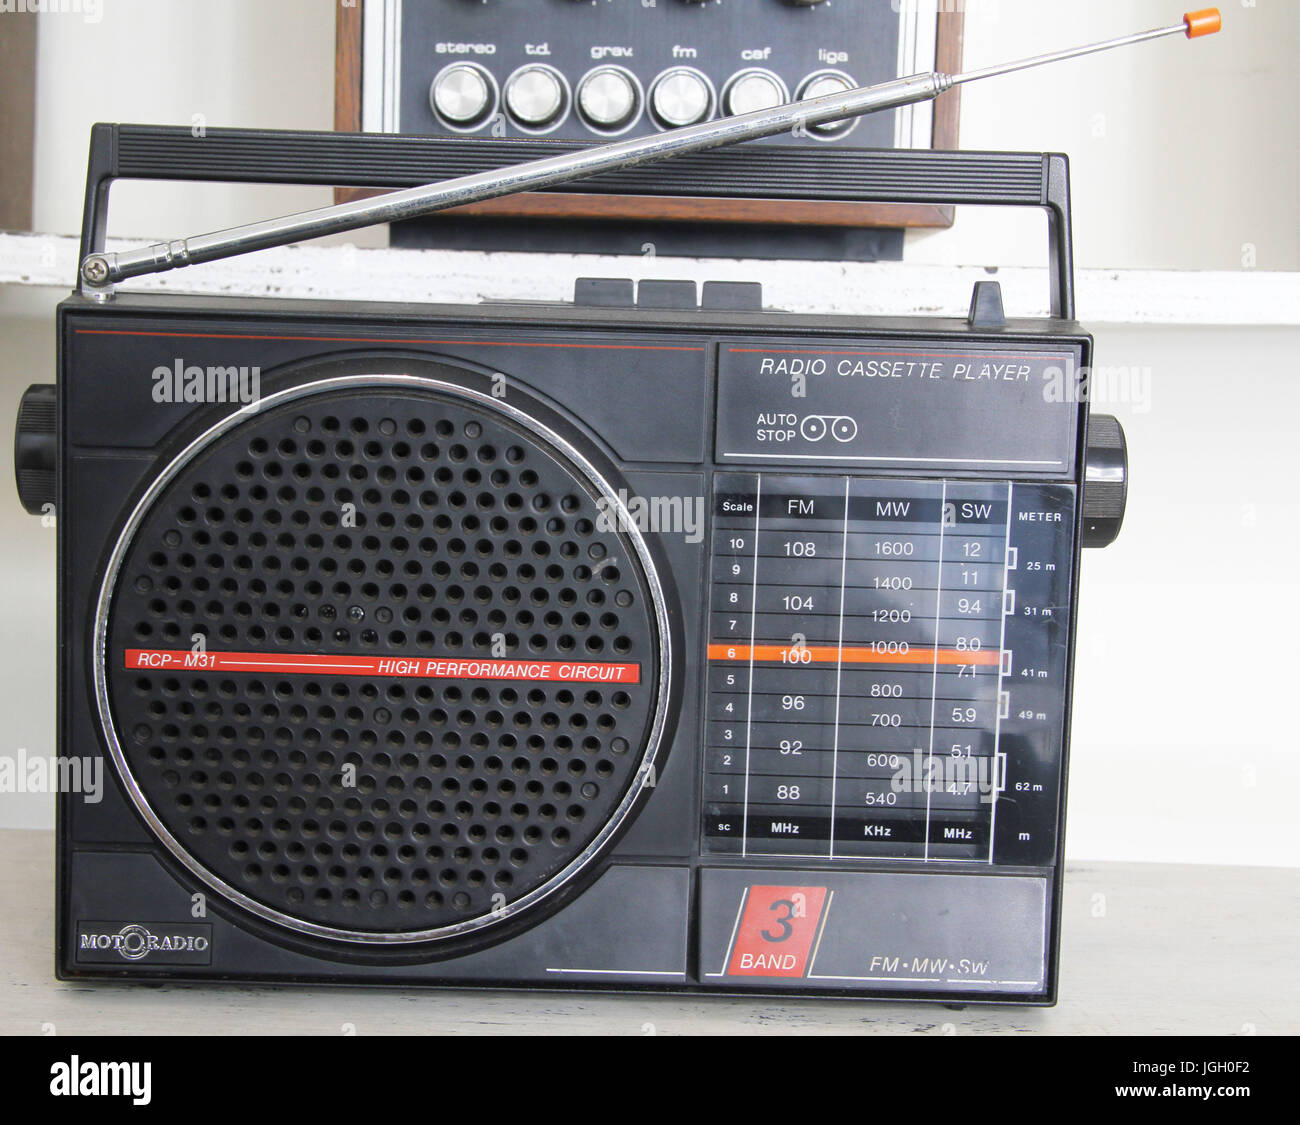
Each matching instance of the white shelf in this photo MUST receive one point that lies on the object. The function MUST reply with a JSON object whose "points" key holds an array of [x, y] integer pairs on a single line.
{"points": [[887, 289]]}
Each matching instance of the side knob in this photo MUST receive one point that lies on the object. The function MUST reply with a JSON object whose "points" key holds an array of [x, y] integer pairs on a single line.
{"points": [[1105, 481], [36, 448]]}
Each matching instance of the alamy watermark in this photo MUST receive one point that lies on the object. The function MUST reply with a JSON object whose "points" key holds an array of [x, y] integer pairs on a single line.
{"points": [[1100, 385], [665, 515], [35, 773], [959, 775], [190, 383], [78, 1077], [92, 11]]}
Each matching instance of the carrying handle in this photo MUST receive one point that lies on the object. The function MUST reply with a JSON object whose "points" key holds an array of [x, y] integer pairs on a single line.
{"points": [[159, 152]]}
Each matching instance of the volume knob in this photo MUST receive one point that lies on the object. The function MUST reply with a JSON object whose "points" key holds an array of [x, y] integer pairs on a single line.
{"points": [[36, 447], [820, 85], [535, 96], [607, 98], [681, 96], [753, 90], [1105, 481], [462, 94]]}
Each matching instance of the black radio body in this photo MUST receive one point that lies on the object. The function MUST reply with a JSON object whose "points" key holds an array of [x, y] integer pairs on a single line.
{"points": [[643, 642]]}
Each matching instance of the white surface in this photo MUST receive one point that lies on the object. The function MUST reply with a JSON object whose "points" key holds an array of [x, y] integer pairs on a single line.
{"points": [[1145, 950], [1181, 748], [888, 288]]}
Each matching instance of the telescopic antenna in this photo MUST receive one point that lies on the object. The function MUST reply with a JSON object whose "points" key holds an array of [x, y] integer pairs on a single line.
{"points": [[100, 271]]}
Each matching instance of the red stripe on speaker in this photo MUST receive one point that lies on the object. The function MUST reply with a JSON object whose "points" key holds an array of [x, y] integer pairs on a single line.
{"points": [[408, 667]]}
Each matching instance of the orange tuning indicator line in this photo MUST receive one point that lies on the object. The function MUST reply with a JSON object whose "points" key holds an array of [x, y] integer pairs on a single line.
{"points": [[849, 654]]}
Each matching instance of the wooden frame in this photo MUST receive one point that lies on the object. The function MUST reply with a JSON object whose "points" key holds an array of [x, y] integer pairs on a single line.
{"points": [[572, 205], [17, 138]]}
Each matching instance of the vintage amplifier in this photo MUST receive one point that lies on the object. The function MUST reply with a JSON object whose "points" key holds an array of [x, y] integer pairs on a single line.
{"points": [[501, 81], [653, 641]]}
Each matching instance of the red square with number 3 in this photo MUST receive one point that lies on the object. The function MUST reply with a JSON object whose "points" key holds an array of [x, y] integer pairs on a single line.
{"points": [[777, 932]]}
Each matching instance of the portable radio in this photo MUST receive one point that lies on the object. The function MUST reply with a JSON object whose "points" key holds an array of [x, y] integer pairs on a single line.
{"points": [[654, 641]]}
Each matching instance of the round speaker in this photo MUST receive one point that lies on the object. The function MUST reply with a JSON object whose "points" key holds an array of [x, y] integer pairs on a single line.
{"points": [[385, 661]]}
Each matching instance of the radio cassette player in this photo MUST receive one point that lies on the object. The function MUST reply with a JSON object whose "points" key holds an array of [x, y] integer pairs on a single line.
{"points": [[652, 641], [565, 646]]}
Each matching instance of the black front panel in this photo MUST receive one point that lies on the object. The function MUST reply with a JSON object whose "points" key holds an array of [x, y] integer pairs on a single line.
{"points": [[867, 637], [863, 667]]}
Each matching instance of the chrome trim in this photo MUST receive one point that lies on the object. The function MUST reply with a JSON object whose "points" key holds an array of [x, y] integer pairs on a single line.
{"points": [[381, 66], [100, 642], [918, 45]]}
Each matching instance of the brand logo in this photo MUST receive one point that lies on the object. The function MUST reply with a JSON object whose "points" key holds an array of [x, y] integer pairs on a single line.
{"points": [[136, 941]]}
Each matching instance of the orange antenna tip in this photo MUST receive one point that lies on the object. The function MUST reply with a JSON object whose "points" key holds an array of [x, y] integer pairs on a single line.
{"points": [[1205, 22]]}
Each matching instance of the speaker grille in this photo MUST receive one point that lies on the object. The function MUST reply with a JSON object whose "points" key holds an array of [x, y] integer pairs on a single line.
{"points": [[382, 522]]}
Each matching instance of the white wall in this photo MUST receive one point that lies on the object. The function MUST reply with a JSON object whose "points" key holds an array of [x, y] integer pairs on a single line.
{"points": [[1181, 151], [1183, 748], [245, 63]]}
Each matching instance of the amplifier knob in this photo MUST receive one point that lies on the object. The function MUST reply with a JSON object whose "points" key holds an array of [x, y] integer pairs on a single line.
{"points": [[535, 96], [607, 98], [821, 85], [681, 97], [461, 94], [36, 447], [752, 90], [1105, 481]]}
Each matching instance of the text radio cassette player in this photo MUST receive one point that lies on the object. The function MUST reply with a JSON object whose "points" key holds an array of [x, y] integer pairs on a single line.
{"points": [[652, 641]]}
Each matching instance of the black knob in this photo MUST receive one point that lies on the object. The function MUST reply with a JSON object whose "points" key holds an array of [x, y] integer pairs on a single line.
{"points": [[1105, 481], [36, 449]]}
